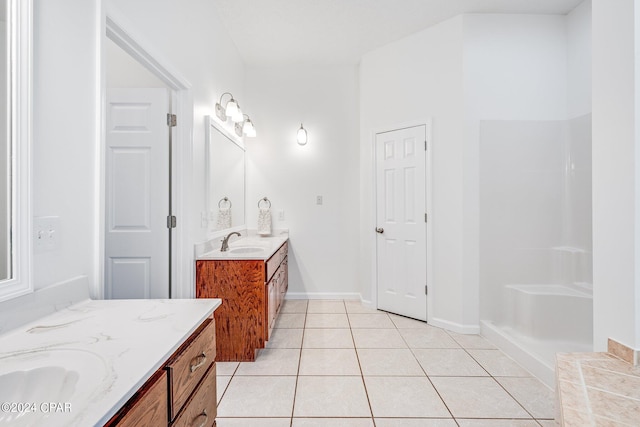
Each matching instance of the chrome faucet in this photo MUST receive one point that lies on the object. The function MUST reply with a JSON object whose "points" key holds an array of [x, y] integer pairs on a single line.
{"points": [[225, 241]]}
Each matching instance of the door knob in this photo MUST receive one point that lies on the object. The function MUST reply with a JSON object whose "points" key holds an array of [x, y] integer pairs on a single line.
{"points": [[379, 230]]}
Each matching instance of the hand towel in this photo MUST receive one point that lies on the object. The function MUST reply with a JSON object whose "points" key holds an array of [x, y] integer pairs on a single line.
{"points": [[264, 221], [224, 218]]}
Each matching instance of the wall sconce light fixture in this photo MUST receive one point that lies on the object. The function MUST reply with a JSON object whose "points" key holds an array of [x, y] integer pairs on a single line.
{"points": [[246, 128], [301, 136], [231, 109]]}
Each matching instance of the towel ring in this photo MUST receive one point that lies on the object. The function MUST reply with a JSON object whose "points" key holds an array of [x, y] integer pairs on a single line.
{"points": [[224, 199], [264, 199]]}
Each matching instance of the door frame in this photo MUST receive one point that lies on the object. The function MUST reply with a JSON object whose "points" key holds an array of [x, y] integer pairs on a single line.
{"points": [[427, 123], [112, 26]]}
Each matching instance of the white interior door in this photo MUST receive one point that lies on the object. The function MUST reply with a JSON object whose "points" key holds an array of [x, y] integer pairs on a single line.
{"points": [[137, 260], [401, 221]]}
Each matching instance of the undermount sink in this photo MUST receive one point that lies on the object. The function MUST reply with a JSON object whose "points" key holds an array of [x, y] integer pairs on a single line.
{"points": [[48, 387], [246, 250]]}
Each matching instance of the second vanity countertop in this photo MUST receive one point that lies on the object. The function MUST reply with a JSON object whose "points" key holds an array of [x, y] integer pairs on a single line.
{"points": [[246, 247], [114, 346]]}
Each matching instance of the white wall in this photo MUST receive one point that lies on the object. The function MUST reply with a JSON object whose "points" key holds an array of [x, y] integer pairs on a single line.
{"points": [[122, 71], [65, 124], [67, 69], [411, 80], [616, 173], [578, 23], [323, 252]]}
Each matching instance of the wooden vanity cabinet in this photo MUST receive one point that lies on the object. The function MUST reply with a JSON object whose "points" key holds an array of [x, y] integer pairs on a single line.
{"points": [[252, 292], [182, 392]]}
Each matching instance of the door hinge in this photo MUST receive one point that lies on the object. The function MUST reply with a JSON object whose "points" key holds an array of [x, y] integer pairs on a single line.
{"points": [[426, 290], [171, 221], [425, 145], [425, 217], [172, 120]]}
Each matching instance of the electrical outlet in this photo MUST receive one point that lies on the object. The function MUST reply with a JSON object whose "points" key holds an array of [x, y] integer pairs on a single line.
{"points": [[318, 200], [281, 215], [45, 233]]}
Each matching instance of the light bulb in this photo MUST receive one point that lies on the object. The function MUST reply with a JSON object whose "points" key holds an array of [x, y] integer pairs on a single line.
{"points": [[232, 109], [302, 135]]}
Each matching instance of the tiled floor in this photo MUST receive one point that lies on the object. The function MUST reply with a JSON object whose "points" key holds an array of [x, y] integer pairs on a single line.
{"points": [[339, 364]]}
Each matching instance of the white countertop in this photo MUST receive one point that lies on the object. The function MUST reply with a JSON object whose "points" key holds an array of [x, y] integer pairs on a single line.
{"points": [[260, 247], [123, 342]]}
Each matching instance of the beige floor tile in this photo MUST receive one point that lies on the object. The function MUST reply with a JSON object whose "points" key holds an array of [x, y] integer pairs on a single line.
{"points": [[370, 320], [323, 361], [226, 368], [450, 362], [327, 320], [258, 397], [496, 423], [402, 322], [415, 422], [476, 397], [548, 423], [471, 341], [536, 397], [285, 338], [222, 381], [294, 306], [498, 364], [272, 361], [326, 306], [290, 320], [331, 397], [253, 422], [357, 307], [428, 338], [378, 338], [327, 338], [399, 362], [404, 397], [332, 422]]}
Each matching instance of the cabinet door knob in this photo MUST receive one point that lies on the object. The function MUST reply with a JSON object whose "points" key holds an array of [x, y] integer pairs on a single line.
{"points": [[379, 230]]}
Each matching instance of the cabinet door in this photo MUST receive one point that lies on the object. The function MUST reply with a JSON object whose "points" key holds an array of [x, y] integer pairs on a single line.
{"points": [[148, 407], [273, 302]]}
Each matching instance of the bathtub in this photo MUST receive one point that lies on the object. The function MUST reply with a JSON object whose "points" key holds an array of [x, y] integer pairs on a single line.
{"points": [[551, 312]]}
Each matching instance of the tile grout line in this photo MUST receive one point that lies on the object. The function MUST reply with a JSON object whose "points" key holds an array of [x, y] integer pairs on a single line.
{"points": [[364, 384], [295, 389], [499, 383], [425, 373]]}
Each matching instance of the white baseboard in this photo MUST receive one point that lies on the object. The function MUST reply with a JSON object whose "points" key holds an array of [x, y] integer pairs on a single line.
{"points": [[455, 327], [323, 295], [527, 360]]}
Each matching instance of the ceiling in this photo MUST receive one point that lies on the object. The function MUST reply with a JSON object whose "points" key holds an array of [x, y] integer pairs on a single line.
{"points": [[323, 32]]}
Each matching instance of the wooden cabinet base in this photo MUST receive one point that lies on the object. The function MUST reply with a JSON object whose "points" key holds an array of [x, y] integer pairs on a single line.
{"points": [[251, 292]]}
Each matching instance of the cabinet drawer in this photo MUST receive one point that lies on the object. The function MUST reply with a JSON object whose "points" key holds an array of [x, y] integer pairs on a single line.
{"points": [[188, 367], [148, 407], [274, 262], [201, 408]]}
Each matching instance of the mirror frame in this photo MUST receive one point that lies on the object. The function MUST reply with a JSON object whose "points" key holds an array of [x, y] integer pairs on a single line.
{"points": [[19, 24], [213, 125]]}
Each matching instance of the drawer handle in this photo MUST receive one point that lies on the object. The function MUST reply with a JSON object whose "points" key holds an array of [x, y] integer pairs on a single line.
{"points": [[202, 414], [202, 356]]}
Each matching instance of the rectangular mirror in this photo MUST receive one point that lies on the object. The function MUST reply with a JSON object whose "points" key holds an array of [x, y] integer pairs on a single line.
{"points": [[225, 178], [15, 90]]}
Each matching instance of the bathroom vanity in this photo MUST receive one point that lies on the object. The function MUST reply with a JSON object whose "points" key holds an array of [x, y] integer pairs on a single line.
{"points": [[252, 279], [117, 362]]}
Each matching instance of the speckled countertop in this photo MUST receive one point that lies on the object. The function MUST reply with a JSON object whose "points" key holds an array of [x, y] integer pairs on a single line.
{"points": [[264, 246], [114, 346]]}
